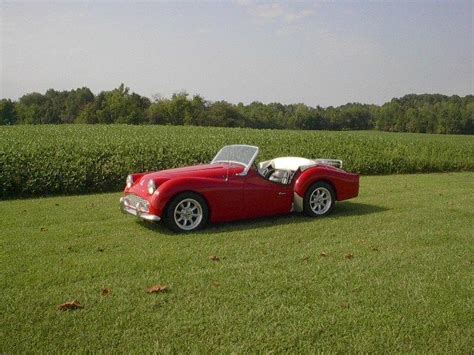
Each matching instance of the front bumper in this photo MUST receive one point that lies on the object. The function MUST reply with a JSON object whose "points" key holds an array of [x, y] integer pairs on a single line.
{"points": [[138, 209]]}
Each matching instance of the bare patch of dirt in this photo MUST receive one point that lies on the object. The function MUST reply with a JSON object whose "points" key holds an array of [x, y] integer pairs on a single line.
{"points": [[158, 289], [71, 305]]}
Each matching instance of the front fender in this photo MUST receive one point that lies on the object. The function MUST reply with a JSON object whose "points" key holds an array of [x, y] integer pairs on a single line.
{"points": [[172, 187]]}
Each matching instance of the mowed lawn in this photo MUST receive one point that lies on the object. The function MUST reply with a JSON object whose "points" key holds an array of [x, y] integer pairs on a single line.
{"points": [[389, 271]]}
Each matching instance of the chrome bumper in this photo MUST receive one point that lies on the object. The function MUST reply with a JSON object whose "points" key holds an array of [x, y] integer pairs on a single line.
{"points": [[137, 210]]}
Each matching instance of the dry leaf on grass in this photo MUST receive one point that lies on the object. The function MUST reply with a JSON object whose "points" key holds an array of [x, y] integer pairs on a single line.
{"points": [[349, 256], [158, 289], [323, 254], [43, 229], [106, 292], [71, 305], [214, 258], [216, 284], [306, 258], [375, 249]]}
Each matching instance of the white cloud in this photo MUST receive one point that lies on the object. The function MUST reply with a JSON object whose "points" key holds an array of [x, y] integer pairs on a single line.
{"points": [[242, 2], [274, 11], [293, 17], [266, 11]]}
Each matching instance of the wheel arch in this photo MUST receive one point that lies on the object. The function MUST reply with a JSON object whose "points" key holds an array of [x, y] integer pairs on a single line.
{"points": [[312, 176], [176, 193], [299, 195], [173, 187], [325, 180]]}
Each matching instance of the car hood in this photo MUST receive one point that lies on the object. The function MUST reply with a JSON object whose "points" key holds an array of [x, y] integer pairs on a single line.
{"points": [[204, 170], [209, 171]]}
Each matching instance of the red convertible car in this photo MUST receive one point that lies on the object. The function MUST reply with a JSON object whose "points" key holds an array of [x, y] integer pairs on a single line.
{"points": [[234, 187]]}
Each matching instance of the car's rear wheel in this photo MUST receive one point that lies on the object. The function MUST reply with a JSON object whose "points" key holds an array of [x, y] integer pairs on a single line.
{"points": [[187, 212], [319, 200]]}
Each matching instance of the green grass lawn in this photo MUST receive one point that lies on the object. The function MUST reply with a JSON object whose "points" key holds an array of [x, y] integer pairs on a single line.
{"points": [[408, 286]]}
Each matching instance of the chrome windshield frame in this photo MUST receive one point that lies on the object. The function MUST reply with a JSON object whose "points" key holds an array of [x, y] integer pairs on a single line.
{"points": [[246, 166]]}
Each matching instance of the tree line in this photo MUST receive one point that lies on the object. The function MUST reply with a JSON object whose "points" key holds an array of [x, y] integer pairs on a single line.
{"points": [[427, 113]]}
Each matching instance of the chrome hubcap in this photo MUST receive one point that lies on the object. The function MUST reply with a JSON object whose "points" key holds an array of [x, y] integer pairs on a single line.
{"points": [[320, 200], [188, 214]]}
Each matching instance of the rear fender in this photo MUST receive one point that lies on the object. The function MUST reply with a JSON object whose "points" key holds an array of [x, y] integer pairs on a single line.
{"points": [[346, 185]]}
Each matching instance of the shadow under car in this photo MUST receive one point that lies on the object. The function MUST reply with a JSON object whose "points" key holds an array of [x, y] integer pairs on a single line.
{"points": [[341, 210]]}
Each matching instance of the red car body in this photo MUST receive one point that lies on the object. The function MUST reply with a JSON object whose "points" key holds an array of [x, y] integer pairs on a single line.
{"points": [[232, 191]]}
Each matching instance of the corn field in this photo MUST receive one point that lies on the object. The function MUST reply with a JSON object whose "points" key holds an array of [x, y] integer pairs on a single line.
{"points": [[73, 159]]}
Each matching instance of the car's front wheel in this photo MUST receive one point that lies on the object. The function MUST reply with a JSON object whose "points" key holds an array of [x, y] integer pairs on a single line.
{"points": [[186, 212], [319, 200]]}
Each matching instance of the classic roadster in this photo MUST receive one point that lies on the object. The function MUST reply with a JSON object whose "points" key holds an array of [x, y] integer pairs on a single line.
{"points": [[234, 187]]}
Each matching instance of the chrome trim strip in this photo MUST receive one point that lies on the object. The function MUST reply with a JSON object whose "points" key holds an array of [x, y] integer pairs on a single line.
{"points": [[228, 161], [337, 163], [149, 217]]}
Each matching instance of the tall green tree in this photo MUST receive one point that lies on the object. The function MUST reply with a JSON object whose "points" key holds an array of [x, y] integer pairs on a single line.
{"points": [[7, 112], [76, 101], [223, 114], [31, 108], [119, 106], [426, 113]]}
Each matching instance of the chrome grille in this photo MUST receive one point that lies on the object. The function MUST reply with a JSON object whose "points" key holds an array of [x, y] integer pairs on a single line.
{"points": [[137, 203]]}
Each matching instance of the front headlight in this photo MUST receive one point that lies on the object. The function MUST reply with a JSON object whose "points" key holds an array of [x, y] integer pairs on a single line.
{"points": [[129, 181], [151, 187]]}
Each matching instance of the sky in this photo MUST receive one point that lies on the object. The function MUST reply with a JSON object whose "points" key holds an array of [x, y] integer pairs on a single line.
{"points": [[319, 53]]}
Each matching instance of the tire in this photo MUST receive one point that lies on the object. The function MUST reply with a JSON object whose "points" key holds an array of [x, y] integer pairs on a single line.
{"points": [[186, 212], [319, 199]]}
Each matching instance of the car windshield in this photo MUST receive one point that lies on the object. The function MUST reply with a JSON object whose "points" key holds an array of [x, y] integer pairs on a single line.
{"points": [[240, 154]]}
